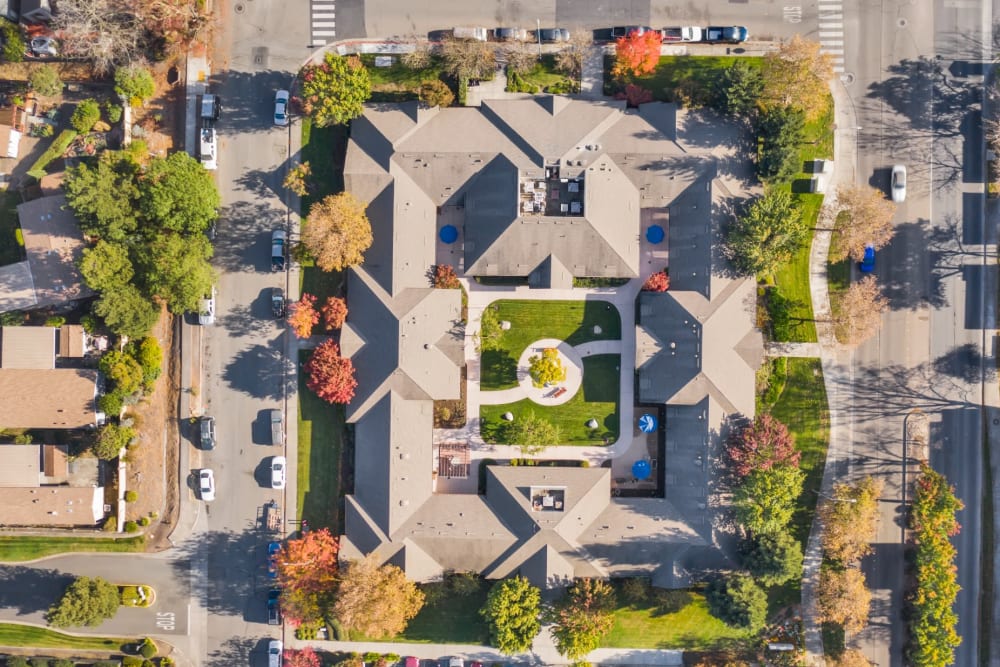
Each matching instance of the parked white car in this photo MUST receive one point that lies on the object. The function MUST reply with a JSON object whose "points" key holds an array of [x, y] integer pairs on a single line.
{"points": [[898, 186], [281, 108], [206, 309], [206, 484], [209, 149], [278, 465]]}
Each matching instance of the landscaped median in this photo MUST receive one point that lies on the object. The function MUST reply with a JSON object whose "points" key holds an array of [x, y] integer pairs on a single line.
{"points": [[16, 548]]}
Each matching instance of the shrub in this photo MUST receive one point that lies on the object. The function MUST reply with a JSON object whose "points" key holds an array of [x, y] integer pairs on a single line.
{"points": [[436, 94], [17, 661], [166, 662], [39, 662], [657, 282], [131, 527], [134, 84], [337, 630], [110, 525], [87, 113], [132, 661], [131, 496], [144, 521], [463, 90], [738, 601], [445, 278], [45, 81], [63, 662], [147, 649], [13, 42], [53, 152], [113, 112], [55, 321]]}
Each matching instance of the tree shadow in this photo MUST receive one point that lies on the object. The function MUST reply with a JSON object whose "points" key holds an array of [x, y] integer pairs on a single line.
{"points": [[248, 99], [262, 371], [31, 590], [264, 184], [964, 362], [498, 368], [239, 651], [916, 279], [241, 246], [253, 319]]}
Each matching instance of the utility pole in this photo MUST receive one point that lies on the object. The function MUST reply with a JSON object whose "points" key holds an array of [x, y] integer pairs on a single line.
{"points": [[538, 35]]}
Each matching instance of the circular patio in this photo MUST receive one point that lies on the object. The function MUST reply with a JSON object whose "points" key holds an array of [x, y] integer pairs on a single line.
{"points": [[557, 393]]}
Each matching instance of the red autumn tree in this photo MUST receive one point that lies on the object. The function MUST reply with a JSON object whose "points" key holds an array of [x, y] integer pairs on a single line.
{"points": [[445, 278], [307, 574], [302, 658], [635, 95], [637, 54], [761, 445], [303, 316], [334, 312], [331, 376], [658, 282]]}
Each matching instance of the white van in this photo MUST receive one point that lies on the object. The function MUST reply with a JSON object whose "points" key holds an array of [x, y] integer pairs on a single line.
{"points": [[209, 149], [478, 34]]}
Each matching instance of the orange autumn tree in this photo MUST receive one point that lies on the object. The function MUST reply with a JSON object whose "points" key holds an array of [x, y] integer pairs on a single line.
{"points": [[303, 316], [307, 574], [330, 375], [637, 54], [334, 312]]}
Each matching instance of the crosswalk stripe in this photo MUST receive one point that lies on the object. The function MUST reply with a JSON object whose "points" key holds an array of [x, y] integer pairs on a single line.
{"points": [[323, 14], [325, 32], [832, 52], [831, 42], [823, 25], [832, 33], [322, 42]]}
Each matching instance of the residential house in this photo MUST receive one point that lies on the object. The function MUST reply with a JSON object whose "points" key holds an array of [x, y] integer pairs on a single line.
{"points": [[40, 485]]}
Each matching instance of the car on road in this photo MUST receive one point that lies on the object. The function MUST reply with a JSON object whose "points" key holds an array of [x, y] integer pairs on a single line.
{"points": [[281, 108], [277, 302], [206, 484], [552, 35], [206, 309], [275, 649], [898, 184], [626, 30], [510, 34], [278, 465], [44, 46], [272, 558], [867, 264], [207, 429], [726, 34], [274, 607], [278, 238]]}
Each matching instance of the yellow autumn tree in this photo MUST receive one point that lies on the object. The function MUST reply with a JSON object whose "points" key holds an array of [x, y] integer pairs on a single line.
{"points": [[337, 232], [798, 75]]}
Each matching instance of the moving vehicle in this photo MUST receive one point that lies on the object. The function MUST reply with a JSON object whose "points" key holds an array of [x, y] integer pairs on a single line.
{"points": [[277, 427], [273, 607], [281, 108], [552, 35], [478, 34], [44, 46], [206, 484], [867, 264], [510, 34], [278, 237], [278, 465], [682, 34], [277, 302], [211, 107], [206, 309], [726, 34], [898, 189], [272, 553], [209, 149], [275, 649], [207, 428]]}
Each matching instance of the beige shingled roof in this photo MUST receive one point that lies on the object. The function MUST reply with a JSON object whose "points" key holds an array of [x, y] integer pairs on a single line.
{"points": [[58, 398], [54, 243], [27, 347]]}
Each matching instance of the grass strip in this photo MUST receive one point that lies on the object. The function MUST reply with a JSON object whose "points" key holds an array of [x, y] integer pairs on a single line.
{"points": [[22, 636], [16, 548]]}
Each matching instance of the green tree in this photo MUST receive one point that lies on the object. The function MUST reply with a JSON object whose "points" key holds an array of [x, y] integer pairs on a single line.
{"points": [[106, 266], [767, 235], [774, 559], [126, 311], [134, 84], [490, 332], [530, 433], [45, 81], [739, 88], [86, 602], [110, 440], [512, 612], [582, 617], [335, 92], [13, 42], [546, 368], [765, 501], [122, 371], [780, 130], [178, 195], [798, 75], [176, 269], [738, 601], [436, 93], [149, 354], [85, 115], [105, 196]]}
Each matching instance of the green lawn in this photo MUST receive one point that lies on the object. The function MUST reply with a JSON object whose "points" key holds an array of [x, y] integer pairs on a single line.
{"points": [[597, 399], [545, 75], [696, 73], [398, 83], [324, 149], [570, 321], [12, 634], [320, 284], [29, 548], [688, 627], [321, 431], [448, 617], [11, 250], [792, 278]]}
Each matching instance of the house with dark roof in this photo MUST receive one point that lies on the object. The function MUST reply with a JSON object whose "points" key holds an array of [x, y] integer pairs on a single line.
{"points": [[545, 189]]}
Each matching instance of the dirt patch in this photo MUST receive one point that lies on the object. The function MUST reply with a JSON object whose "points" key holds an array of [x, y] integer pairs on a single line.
{"points": [[162, 116]]}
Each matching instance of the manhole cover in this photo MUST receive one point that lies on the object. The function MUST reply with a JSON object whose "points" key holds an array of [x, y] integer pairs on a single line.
{"points": [[901, 22], [847, 78], [239, 8]]}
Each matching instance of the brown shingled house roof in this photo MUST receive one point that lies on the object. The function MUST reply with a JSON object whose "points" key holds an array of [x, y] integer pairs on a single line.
{"points": [[48, 398]]}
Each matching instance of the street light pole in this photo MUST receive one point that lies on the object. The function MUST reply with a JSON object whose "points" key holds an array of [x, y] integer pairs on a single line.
{"points": [[538, 35]]}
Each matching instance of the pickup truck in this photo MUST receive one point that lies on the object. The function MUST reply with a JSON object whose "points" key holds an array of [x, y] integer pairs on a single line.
{"points": [[726, 35], [681, 34], [277, 427], [477, 34], [278, 238]]}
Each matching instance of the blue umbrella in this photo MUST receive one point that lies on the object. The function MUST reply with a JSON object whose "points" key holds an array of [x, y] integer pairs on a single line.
{"points": [[448, 234], [655, 234], [647, 423], [641, 469]]}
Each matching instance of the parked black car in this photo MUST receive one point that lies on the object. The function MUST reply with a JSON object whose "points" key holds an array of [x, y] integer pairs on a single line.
{"points": [[273, 607], [552, 35], [277, 302]]}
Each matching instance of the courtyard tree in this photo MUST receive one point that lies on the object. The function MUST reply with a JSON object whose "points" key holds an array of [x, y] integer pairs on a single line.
{"points": [[468, 58], [657, 282], [765, 500], [335, 91], [843, 598], [767, 235], [760, 445], [850, 518], [636, 54], [738, 601], [530, 433], [512, 612], [86, 602], [110, 440], [334, 311], [106, 266], [546, 368], [337, 232], [739, 88], [857, 313], [774, 559], [376, 600], [126, 311], [780, 131], [134, 84], [104, 195], [303, 316], [582, 617], [798, 75], [307, 572], [45, 80], [490, 330], [178, 195], [330, 375], [569, 59], [860, 216], [436, 93]]}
